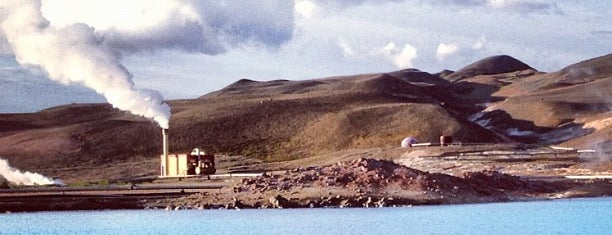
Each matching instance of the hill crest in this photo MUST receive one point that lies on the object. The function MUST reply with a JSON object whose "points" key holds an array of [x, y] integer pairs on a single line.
{"points": [[491, 65]]}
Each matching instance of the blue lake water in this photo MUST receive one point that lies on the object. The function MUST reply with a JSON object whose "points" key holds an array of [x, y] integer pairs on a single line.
{"points": [[567, 216]]}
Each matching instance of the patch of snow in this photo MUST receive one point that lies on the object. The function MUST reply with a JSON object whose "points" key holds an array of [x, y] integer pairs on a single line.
{"points": [[484, 105], [517, 132], [490, 107], [564, 134], [476, 116], [484, 123]]}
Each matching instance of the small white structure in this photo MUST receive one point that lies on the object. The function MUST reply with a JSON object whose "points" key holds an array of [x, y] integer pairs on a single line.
{"points": [[408, 142], [174, 165]]}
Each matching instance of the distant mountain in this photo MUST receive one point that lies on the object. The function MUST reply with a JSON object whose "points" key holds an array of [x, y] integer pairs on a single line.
{"points": [[488, 66], [20, 92], [498, 99]]}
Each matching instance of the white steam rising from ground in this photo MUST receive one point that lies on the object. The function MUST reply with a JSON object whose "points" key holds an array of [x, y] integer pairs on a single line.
{"points": [[83, 42], [22, 178]]}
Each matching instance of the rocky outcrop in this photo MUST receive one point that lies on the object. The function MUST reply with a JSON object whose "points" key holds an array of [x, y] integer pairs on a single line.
{"points": [[366, 183]]}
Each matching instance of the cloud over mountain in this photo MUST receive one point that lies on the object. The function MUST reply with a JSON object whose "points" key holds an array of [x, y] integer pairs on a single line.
{"points": [[445, 50], [402, 58]]}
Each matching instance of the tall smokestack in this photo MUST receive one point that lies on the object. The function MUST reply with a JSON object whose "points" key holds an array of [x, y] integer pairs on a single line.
{"points": [[165, 143]]}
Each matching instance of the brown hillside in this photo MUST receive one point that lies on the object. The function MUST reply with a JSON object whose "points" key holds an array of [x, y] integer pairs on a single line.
{"points": [[287, 120], [579, 90], [276, 120], [281, 120], [557, 107], [75, 135]]}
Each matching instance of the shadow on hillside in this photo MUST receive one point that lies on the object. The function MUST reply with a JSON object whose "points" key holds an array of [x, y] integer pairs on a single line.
{"points": [[471, 92], [565, 132], [10, 126], [527, 132], [472, 99]]}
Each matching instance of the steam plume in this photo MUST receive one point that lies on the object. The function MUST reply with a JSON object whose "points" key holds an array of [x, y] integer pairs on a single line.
{"points": [[74, 54], [82, 42], [16, 176]]}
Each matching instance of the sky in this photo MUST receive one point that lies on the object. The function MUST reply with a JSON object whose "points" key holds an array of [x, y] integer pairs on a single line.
{"points": [[185, 49]]}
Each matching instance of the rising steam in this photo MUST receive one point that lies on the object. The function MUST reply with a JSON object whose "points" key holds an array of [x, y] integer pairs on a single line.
{"points": [[74, 54], [17, 177], [82, 42]]}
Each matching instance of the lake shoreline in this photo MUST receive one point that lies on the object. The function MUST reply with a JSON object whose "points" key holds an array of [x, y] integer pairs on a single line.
{"points": [[176, 201]]}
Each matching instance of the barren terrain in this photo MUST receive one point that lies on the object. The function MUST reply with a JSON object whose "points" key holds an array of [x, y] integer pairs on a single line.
{"points": [[505, 118]]}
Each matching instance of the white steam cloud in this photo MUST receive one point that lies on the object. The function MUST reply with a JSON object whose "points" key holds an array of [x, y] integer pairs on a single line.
{"points": [[76, 54], [305, 8], [82, 42], [23, 178]]}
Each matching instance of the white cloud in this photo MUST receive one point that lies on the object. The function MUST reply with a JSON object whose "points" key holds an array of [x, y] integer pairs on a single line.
{"points": [[405, 58], [445, 50], [142, 15], [401, 58], [480, 43], [522, 5], [209, 27], [305, 8], [347, 50], [304, 48]]}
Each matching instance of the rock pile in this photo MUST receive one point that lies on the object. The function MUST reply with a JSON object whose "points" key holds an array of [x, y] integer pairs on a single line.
{"points": [[486, 182], [371, 182], [360, 183], [364, 174]]}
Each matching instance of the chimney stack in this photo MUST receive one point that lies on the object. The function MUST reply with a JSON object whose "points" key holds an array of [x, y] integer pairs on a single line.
{"points": [[165, 143]]}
